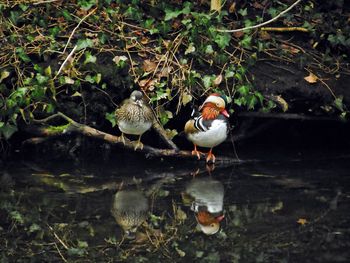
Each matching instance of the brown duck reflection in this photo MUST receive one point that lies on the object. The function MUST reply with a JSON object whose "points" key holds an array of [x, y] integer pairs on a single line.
{"points": [[130, 209], [206, 197]]}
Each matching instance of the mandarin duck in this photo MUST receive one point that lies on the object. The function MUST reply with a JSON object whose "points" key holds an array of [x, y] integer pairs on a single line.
{"points": [[207, 198], [130, 209], [208, 127], [134, 117]]}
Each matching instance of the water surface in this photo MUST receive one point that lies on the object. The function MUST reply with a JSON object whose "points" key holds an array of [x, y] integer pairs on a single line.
{"points": [[274, 211]]}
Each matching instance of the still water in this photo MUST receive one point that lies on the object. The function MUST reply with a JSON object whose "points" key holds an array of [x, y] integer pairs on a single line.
{"points": [[136, 210]]}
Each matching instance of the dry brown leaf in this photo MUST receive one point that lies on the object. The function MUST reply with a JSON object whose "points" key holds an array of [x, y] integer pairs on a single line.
{"points": [[232, 8], [238, 34], [149, 66], [291, 49], [302, 221], [217, 80], [165, 72], [131, 45], [312, 78], [144, 40], [147, 84], [117, 59], [166, 43], [264, 35], [258, 5], [281, 101], [142, 54]]}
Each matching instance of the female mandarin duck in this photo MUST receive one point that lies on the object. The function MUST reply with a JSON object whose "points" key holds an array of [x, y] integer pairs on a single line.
{"points": [[134, 117], [130, 210], [210, 127], [207, 203]]}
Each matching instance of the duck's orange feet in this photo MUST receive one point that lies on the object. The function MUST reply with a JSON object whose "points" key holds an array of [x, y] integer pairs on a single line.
{"points": [[210, 157], [197, 153]]}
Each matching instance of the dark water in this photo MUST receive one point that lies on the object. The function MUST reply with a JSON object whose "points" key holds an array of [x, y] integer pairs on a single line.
{"points": [[274, 211]]}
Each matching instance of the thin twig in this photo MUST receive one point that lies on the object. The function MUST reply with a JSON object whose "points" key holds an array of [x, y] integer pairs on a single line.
{"points": [[262, 24], [65, 61], [44, 2], [72, 34], [285, 29], [59, 252], [58, 238]]}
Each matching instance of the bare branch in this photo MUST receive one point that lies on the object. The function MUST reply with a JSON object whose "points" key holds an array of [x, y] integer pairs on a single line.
{"points": [[149, 151], [262, 24]]}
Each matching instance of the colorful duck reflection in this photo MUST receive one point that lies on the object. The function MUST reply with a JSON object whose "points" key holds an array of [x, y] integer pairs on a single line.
{"points": [[206, 197], [130, 209]]}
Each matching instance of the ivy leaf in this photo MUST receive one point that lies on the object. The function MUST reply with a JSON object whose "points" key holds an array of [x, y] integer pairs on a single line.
{"points": [[111, 118], [243, 90], [186, 98], [4, 75], [207, 81], [89, 58], [22, 55], [223, 40], [338, 103], [84, 43], [8, 130]]}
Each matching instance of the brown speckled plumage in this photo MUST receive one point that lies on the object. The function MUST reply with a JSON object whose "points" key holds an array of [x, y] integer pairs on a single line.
{"points": [[132, 112]]}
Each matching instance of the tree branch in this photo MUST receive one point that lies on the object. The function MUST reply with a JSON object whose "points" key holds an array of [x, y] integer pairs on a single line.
{"points": [[149, 151], [262, 24]]}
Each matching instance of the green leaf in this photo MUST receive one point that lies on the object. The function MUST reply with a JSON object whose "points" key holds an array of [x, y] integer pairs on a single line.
{"points": [[243, 12], [8, 130], [14, 16], [84, 43], [66, 14], [252, 102], [222, 39], [17, 216], [186, 98], [41, 79], [82, 244], [243, 90], [90, 79], [86, 4], [111, 118], [4, 75], [246, 42], [171, 14], [338, 103], [89, 58], [209, 49], [34, 228], [207, 80], [76, 251], [22, 55]]}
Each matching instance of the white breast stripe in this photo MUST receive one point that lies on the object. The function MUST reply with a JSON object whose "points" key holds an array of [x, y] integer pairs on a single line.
{"points": [[198, 124]]}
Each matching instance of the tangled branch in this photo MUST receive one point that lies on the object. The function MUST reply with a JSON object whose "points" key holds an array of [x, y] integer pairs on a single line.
{"points": [[149, 151]]}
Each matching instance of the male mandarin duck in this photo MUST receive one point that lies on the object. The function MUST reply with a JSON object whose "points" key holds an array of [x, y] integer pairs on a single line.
{"points": [[207, 203], [130, 209], [134, 117], [210, 127]]}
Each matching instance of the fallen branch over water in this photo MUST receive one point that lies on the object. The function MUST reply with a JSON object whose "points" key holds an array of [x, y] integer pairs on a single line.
{"points": [[88, 131]]}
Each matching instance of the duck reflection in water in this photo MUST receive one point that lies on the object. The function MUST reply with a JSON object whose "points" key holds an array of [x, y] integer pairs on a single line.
{"points": [[130, 209], [206, 197]]}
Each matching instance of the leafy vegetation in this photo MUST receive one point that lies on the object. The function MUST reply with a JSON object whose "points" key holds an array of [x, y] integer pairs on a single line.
{"points": [[84, 57]]}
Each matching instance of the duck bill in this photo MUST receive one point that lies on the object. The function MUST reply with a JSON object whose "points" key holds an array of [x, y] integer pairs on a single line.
{"points": [[139, 103], [225, 113], [220, 218]]}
